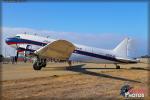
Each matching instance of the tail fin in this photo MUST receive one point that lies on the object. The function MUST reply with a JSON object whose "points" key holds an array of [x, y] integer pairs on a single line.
{"points": [[122, 49]]}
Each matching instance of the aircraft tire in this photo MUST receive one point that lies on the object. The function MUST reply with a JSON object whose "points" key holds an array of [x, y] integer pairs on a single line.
{"points": [[44, 65], [117, 67], [36, 66]]}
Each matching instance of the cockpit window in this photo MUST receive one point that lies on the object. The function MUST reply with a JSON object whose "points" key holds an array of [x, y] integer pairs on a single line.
{"points": [[17, 36]]}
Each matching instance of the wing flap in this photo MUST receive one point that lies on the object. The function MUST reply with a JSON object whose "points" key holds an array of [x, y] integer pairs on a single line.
{"points": [[59, 49]]}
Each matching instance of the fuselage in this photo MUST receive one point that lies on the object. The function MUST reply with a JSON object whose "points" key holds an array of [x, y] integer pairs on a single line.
{"points": [[82, 53]]}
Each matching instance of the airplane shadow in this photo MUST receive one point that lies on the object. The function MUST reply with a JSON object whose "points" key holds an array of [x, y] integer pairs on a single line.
{"points": [[78, 68], [138, 68]]}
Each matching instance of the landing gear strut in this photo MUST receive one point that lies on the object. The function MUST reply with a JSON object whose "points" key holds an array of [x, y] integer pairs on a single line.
{"points": [[39, 63], [117, 66], [70, 63]]}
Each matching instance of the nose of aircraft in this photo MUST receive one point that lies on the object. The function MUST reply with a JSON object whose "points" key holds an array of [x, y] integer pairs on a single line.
{"points": [[8, 40]]}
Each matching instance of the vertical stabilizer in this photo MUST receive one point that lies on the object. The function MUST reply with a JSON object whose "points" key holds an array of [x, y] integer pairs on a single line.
{"points": [[122, 49]]}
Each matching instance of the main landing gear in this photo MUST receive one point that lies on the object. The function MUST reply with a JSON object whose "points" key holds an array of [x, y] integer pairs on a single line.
{"points": [[117, 66], [39, 63], [70, 63]]}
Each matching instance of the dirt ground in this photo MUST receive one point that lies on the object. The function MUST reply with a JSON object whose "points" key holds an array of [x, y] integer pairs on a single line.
{"points": [[81, 81]]}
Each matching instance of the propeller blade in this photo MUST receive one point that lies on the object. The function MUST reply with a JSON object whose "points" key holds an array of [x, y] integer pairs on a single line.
{"points": [[25, 54], [16, 58]]}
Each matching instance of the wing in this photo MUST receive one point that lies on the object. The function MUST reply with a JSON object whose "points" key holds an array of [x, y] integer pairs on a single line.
{"points": [[59, 49]]}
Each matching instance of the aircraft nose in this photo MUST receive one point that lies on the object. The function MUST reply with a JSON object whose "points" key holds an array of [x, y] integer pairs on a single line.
{"points": [[8, 40]]}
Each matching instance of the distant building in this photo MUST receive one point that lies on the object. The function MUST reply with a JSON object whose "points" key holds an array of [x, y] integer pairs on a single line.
{"points": [[145, 56], [145, 59]]}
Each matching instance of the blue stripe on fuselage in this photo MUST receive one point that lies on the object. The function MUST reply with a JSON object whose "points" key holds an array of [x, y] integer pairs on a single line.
{"points": [[96, 55], [17, 40]]}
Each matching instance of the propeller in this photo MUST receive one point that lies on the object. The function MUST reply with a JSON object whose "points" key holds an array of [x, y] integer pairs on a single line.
{"points": [[16, 57], [17, 54], [25, 56], [26, 52]]}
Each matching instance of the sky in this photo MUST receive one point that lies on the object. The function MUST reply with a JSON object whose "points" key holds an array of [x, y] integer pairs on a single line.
{"points": [[97, 24]]}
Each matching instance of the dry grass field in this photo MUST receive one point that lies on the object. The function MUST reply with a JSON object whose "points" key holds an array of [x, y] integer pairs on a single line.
{"points": [[81, 81]]}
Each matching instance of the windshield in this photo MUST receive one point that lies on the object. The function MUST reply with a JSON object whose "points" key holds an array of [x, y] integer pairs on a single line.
{"points": [[17, 36]]}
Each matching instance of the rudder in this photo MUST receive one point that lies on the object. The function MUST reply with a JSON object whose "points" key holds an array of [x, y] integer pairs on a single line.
{"points": [[122, 49]]}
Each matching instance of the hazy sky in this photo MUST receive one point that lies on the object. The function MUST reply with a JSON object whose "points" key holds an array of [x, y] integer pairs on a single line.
{"points": [[97, 24]]}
